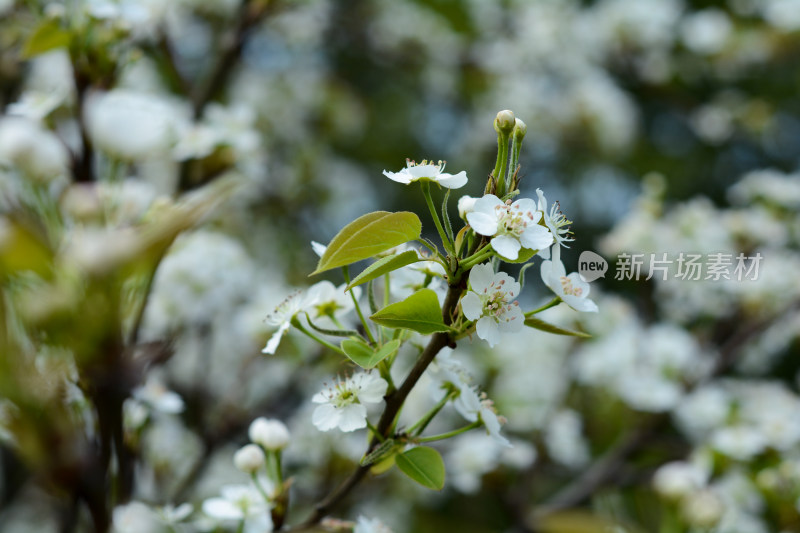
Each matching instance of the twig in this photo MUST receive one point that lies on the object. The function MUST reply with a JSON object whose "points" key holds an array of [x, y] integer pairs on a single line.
{"points": [[394, 402]]}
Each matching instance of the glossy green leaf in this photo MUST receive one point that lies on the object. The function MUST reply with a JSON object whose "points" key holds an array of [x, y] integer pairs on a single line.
{"points": [[419, 312], [424, 465], [49, 35], [384, 266], [367, 236], [536, 323], [364, 355]]}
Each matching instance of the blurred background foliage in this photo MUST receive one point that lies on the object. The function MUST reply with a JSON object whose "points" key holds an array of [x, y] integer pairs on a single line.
{"points": [[126, 123]]}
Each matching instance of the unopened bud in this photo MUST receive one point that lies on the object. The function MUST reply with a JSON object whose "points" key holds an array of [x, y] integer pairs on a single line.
{"points": [[505, 121], [271, 434], [520, 129], [465, 205], [249, 459]]}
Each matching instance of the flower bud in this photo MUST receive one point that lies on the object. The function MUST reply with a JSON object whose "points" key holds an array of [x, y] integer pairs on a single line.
{"points": [[269, 433], [465, 205], [520, 129], [505, 121], [249, 459]]}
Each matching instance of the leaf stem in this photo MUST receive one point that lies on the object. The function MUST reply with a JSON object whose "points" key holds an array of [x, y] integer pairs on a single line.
{"points": [[478, 257], [367, 330], [552, 303], [426, 192], [449, 434], [423, 422], [296, 323]]}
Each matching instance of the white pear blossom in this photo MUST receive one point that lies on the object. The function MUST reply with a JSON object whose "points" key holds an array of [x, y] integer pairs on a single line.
{"points": [[490, 303], [570, 288], [474, 406], [512, 225], [283, 315], [156, 395], [270, 433], [555, 221], [326, 300], [428, 171], [343, 404], [249, 459], [240, 503], [370, 525]]}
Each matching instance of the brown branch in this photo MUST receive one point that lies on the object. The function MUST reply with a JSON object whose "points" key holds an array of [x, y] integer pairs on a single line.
{"points": [[394, 401]]}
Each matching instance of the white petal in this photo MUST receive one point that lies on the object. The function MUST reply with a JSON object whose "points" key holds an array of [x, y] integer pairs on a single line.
{"points": [[542, 204], [471, 306], [275, 340], [578, 283], [482, 223], [373, 390], [422, 171], [455, 181], [506, 246], [536, 237], [488, 331], [354, 416], [525, 205], [326, 417], [584, 305], [544, 253], [481, 277], [515, 322], [318, 248], [222, 509], [400, 177], [510, 285], [467, 403]]}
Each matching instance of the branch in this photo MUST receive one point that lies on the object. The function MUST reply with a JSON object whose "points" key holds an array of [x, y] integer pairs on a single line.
{"points": [[394, 401]]}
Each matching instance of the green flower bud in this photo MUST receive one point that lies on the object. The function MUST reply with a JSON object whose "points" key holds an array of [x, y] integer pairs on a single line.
{"points": [[520, 129], [504, 122]]}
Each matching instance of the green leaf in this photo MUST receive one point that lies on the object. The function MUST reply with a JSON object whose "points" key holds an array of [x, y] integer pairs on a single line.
{"points": [[536, 323], [367, 236], [49, 35], [364, 355], [384, 266], [424, 465], [419, 312]]}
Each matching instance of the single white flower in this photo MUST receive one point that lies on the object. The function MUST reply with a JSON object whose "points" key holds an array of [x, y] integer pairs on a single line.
{"points": [[240, 502], [570, 288], [270, 433], [136, 517], [428, 171], [249, 459], [491, 302], [172, 515], [154, 394], [512, 226], [326, 300], [474, 407], [366, 525], [556, 222], [282, 317], [343, 404]]}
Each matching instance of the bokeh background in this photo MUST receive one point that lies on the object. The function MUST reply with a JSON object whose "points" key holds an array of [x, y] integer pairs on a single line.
{"points": [[136, 277]]}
